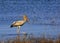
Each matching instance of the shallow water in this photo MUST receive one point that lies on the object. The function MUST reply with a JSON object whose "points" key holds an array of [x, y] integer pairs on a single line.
{"points": [[36, 30], [41, 14]]}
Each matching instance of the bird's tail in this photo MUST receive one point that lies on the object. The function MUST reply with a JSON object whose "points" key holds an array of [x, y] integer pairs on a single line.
{"points": [[11, 26]]}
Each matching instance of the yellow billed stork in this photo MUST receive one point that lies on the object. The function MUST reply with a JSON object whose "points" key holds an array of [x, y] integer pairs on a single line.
{"points": [[20, 23]]}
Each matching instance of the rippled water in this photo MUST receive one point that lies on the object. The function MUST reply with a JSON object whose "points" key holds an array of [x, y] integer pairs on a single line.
{"points": [[44, 16]]}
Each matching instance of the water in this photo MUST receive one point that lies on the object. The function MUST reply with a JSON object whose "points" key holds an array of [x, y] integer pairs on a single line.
{"points": [[44, 16], [34, 29]]}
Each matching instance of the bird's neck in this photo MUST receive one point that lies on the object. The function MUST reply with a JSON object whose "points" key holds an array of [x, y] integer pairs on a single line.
{"points": [[25, 19]]}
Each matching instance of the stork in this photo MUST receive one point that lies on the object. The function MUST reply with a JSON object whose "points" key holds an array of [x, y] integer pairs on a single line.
{"points": [[20, 23]]}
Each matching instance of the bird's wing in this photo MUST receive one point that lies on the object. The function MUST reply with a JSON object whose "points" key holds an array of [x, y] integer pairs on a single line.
{"points": [[14, 22], [18, 23]]}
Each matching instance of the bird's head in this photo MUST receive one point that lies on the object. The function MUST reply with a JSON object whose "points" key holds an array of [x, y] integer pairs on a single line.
{"points": [[25, 18]]}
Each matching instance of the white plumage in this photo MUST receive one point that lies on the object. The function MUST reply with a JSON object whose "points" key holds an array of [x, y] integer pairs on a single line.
{"points": [[19, 23]]}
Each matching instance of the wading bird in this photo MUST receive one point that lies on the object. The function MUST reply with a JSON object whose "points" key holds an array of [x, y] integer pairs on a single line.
{"points": [[20, 23]]}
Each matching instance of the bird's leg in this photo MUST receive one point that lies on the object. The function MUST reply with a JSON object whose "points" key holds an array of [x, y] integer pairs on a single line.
{"points": [[18, 30]]}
